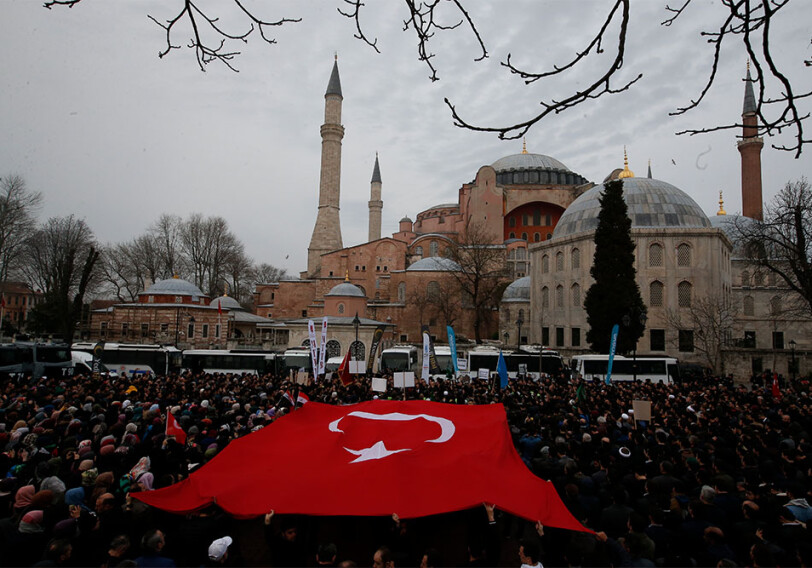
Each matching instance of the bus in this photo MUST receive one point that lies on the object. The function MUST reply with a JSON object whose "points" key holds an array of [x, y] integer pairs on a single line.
{"points": [[232, 361], [527, 360], [444, 360], [35, 359], [83, 364], [399, 358], [655, 369], [136, 358], [296, 358]]}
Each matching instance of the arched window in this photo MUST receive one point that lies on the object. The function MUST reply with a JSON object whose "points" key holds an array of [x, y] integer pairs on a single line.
{"points": [[758, 279], [545, 264], [775, 305], [576, 295], [521, 253], [545, 297], [749, 306], [433, 248], [655, 294], [512, 235], [524, 236], [358, 350], [684, 294], [559, 261], [575, 258], [512, 254], [537, 237], [745, 278], [559, 296], [512, 221], [418, 251], [340, 309], [684, 255], [306, 343], [333, 349], [521, 314], [432, 290], [771, 279], [655, 255], [402, 292], [506, 312]]}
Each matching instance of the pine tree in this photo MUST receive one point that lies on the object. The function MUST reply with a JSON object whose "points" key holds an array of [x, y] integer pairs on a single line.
{"points": [[614, 293]]}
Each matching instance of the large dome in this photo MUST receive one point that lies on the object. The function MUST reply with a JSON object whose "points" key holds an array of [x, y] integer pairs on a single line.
{"points": [[434, 264], [346, 289], [517, 291], [528, 162], [652, 203], [173, 286]]}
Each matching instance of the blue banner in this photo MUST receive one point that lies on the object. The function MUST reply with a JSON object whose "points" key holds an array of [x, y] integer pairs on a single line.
{"points": [[501, 368], [612, 348], [452, 344]]}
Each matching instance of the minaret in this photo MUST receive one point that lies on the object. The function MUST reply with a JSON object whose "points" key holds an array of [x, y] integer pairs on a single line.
{"points": [[327, 232], [375, 203], [750, 149]]}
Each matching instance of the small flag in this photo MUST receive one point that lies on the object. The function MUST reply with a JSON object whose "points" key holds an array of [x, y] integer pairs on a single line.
{"points": [[501, 368], [2, 300], [288, 397], [302, 399], [776, 389], [219, 308], [344, 370], [580, 394], [174, 429]]}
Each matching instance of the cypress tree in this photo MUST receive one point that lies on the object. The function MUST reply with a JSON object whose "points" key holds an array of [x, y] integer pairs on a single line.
{"points": [[614, 293]]}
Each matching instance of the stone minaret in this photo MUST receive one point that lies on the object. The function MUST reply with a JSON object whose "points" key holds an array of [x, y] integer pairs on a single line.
{"points": [[375, 203], [327, 232], [750, 149]]}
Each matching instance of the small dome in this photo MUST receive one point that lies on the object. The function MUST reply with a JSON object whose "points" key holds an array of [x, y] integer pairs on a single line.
{"points": [[174, 286], [527, 162], [405, 220], [517, 291], [651, 203], [434, 264], [226, 303], [346, 289]]}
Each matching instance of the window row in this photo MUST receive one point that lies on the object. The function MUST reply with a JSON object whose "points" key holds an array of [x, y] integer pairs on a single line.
{"points": [[656, 294], [656, 256], [333, 349], [536, 237], [574, 296], [749, 306], [757, 279], [575, 261], [537, 220]]}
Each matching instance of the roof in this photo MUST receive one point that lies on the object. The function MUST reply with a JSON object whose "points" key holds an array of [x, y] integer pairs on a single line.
{"points": [[651, 203], [334, 86], [376, 171], [528, 161], [434, 264], [340, 320], [173, 286], [749, 106], [517, 291], [226, 302], [346, 289]]}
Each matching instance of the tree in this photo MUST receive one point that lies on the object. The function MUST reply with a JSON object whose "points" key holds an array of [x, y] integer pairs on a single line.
{"points": [[445, 300], [61, 259], [482, 272], [714, 319], [208, 246], [614, 293], [782, 242], [18, 206], [214, 29], [265, 273]]}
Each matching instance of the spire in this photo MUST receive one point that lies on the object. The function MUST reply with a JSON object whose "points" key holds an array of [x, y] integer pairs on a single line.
{"points": [[524, 145], [626, 173], [347, 276], [334, 86], [376, 171], [649, 168], [721, 205], [749, 106]]}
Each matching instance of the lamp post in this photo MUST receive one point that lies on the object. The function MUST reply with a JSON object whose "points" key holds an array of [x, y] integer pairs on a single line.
{"points": [[355, 322], [792, 346], [519, 323]]}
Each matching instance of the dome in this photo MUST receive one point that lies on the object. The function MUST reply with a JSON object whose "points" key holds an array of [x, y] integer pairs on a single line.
{"points": [[528, 162], [651, 203], [517, 291], [405, 220], [226, 303], [434, 264], [175, 287], [346, 289]]}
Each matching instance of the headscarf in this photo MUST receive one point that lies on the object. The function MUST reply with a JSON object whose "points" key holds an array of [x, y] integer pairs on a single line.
{"points": [[75, 496], [146, 479], [53, 484], [141, 467], [42, 499], [32, 522], [24, 496]]}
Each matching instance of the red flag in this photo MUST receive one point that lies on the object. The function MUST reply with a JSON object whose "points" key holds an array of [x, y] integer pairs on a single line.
{"points": [[344, 370], [174, 429], [219, 308], [385, 456], [302, 399], [776, 389], [288, 397], [2, 300]]}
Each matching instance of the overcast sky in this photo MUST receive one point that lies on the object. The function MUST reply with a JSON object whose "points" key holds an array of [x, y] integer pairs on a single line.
{"points": [[93, 119]]}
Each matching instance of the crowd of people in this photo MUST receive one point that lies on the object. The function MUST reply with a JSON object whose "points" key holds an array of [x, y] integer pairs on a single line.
{"points": [[719, 475]]}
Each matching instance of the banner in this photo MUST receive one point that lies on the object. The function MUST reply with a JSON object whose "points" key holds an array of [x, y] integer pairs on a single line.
{"points": [[323, 350], [612, 348], [452, 344], [434, 368], [373, 349], [424, 371], [311, 333]]}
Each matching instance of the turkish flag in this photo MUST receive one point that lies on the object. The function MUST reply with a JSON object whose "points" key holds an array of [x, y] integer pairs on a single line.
{"points": [[174, 429], [344, 370], [302, 398], [375, 458], [776, 389], [219, 308]]}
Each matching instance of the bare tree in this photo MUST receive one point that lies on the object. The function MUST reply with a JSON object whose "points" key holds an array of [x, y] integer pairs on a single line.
{"points": [[61, 259], [714, 319], [18, 206], [265, 273], [445, 299], [782, 242], [208, 246], [163, 247], [752, 22], [482, 273]]}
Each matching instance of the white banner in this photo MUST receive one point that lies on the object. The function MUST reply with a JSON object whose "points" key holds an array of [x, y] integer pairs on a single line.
{"points": [[424, 371], [483, 374], [358, 367], [378, 384], [323, 351], [311, 333]]}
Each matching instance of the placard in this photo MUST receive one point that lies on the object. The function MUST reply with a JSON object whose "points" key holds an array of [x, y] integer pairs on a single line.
{"points": [[398, 380], [462, 365], [378, 384], [522, 368], [358, 367], [301, 377], [483, 374], [642, 410]]}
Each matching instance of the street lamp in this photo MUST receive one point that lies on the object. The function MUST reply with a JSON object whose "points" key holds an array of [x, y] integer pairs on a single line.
{"points": [[519, 323], [792, 346], [356, 322]]}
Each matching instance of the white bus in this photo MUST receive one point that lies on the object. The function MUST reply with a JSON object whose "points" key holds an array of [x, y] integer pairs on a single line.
{"points": [[528, 360], [655, 369], [399, 358], [229, 361], [136, 358], [296, 358]]}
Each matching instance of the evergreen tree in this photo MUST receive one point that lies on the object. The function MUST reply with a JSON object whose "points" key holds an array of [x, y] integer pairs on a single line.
{"points": [[614, 293]]}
